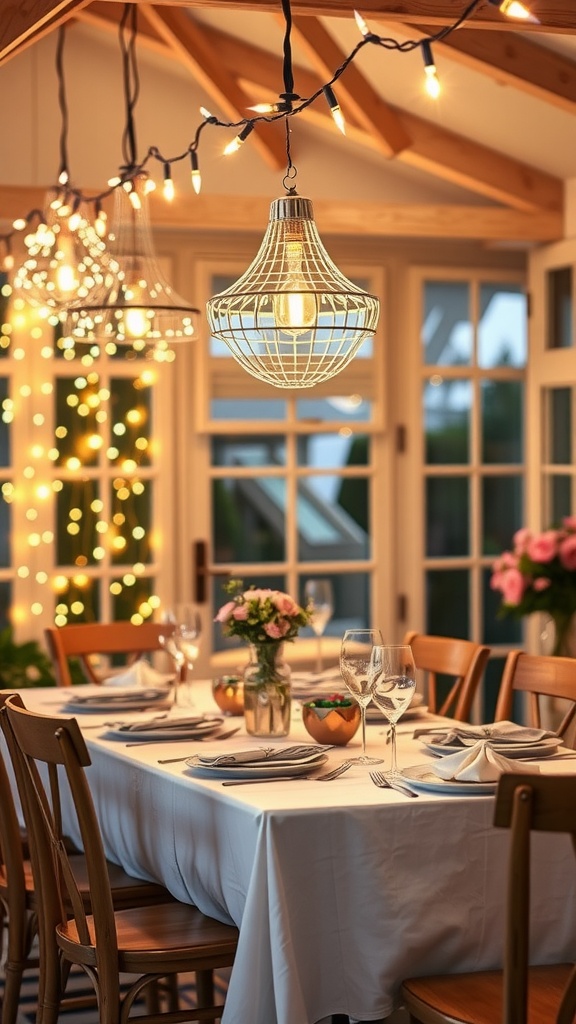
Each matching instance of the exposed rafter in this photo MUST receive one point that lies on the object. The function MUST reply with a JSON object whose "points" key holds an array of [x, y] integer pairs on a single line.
{"points": [[193, 47]]}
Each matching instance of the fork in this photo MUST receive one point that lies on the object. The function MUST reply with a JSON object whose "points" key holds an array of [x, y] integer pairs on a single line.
{"points": [[380, 780], [334, 774]]}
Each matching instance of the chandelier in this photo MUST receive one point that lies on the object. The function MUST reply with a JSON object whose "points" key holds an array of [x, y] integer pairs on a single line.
{"points": [[293, 319]]}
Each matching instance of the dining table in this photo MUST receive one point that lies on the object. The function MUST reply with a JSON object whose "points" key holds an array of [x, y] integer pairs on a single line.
{"points": [[340, 889]]}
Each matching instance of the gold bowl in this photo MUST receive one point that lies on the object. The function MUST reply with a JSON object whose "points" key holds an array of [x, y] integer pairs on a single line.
{"points": [[228, 692], [335, 725]]}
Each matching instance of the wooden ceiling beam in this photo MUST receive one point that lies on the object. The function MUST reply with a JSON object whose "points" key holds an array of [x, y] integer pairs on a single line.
{"points": [[25, 23], [510, 59], [353, 89], [377, 220], [193, 47]]}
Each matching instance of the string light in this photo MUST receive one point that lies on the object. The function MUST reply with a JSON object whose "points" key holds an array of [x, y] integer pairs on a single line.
{"points": [[195, 172], [515, 9], [168, 187], [334, 108], [432, 83], [240, 139], [361, 23]]}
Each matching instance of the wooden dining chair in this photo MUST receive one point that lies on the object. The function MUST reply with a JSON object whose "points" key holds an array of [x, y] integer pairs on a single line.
{"points": [[461, 661], [537, 676], [86, 641], [147, 943], [540, 994]]}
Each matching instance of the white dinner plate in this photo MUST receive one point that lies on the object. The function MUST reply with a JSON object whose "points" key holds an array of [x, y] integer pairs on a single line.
{"points": [[264, 771], [422, 777], [131, 729], [116, 703], [543, 748]]}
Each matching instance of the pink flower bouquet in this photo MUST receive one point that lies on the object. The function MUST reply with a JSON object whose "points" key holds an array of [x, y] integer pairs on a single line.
{"points": [[539, 575], [260, 615]]}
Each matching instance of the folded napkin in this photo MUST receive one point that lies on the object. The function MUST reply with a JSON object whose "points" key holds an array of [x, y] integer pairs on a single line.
{"points": [[267, 755], [480, 763], [140, 674], [498, 733], [136, 697], [164, 724]]}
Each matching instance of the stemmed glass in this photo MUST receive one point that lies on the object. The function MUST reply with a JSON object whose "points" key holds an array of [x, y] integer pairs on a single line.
{"points": [[183, 643], [393, 674], [355, 661], [319, 600]]}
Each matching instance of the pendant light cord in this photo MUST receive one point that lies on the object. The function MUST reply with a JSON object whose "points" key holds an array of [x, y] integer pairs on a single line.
{"points": [[63, 171], [131, 79]]}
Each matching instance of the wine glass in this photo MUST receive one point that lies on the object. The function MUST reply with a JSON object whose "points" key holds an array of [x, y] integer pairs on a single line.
{"points": [[393, 675], [183, 643], [320, 603], [355, 659]]}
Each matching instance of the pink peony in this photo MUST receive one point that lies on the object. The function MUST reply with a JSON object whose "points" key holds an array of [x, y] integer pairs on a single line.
{"points": [[541, 583], [513, 586], [567, 552], [569, 522], [285, 604], [543, 547], [225, 612], [240, 612], [521, 540], [276, 630]]}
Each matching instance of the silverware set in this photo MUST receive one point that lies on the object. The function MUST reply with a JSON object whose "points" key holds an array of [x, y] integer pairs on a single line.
{"points": [[385, 782]]}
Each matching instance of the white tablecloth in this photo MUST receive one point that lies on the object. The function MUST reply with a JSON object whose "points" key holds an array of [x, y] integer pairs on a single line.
{"points": [[340, 890]]}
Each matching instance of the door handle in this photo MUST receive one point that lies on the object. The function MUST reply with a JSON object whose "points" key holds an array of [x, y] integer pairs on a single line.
{"points": [[201, 572]]}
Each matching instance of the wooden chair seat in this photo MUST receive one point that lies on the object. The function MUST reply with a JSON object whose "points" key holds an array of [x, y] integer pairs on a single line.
{"points": [[461, 661], [520, 993], [447, 1000]]}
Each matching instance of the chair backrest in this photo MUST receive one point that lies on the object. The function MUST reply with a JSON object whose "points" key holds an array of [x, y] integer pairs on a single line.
{"points": [[40, 746], [11, 848], [525, 803], [537, 676], [463, 661], [87, 640]]}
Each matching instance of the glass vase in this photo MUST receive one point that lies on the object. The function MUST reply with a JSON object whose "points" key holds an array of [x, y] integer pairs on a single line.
{"points": [[267, 691], [564, 635]]}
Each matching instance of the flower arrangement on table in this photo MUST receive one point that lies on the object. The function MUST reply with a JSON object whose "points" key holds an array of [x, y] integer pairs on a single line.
{"points": [[265, 618], [260, 615], [539, 575]]}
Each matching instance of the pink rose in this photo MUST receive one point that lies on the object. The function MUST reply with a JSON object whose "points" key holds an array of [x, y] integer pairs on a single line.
{"points": [[285, 604], [277, 630], [521, 540], [257, 595], [567, 552], [569, 522], [225, 612], [543, 547], [513, 586], [240, 612], [541, 583]]}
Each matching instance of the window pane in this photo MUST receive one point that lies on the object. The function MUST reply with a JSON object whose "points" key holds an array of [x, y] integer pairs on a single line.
{"points": [[559, 308], [498, 631], [5, 436], [247, 409], [502, 330], [351, 408], [78, 599], [248, 519], [130, 598], [5, 534], [128, 534], [502, 511], [560, 419], [560, 498], [131, 415], [248, 451], [76, 422], [448, 602], [332, 451], [447, 405], [332, 518], [76, 523], [5, 604], [351, 602], [502, 421], [447, 333], [447, 521]]}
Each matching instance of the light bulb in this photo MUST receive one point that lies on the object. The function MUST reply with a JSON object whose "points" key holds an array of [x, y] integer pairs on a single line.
{"points": [[361, 23], [515, 9], [294, 308]]}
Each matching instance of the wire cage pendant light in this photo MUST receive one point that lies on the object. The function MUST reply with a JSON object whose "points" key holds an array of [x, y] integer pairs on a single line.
{"points": [[293, 319], [133, 305]]}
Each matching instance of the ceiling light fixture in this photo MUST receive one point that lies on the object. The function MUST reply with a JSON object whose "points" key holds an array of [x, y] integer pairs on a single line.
{"points": [[292, 319], [515, 9], [134, 305]]}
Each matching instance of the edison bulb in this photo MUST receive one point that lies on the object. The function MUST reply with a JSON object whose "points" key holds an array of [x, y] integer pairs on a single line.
{"points": [[294, 308], [135, 322]]}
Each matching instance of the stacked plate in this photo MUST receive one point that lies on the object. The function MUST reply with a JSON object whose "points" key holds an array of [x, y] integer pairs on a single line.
{"points": [[125, 700], [162, 728], [259, 763], [507, 738]]}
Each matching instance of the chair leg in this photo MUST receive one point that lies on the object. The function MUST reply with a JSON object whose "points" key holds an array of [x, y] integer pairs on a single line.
{"points": [[205, 988], [12, 986]]}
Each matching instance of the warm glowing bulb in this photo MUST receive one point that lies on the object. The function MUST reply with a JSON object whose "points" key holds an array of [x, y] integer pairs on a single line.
{"points": [[363, 27], [432, 82], [135, 322], [515, 9], [168, 188], [66, 278], [294, 308], [334, 108]]}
